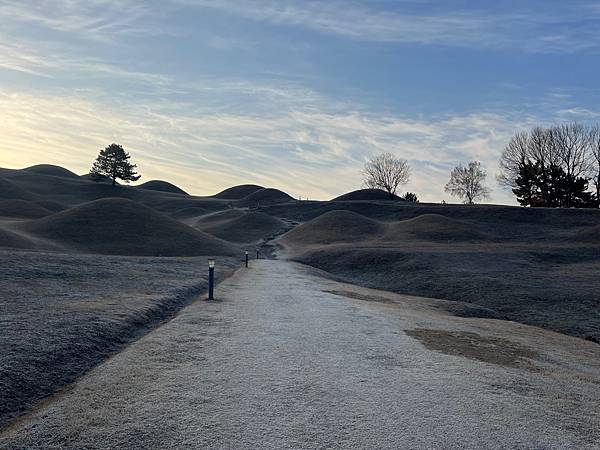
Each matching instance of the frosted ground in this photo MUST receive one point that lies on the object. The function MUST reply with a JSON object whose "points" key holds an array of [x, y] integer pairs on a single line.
{"points": [[61, 314]]}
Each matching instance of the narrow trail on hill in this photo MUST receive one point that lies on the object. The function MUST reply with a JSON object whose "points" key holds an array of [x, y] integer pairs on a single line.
{"points": [[288, 359]]}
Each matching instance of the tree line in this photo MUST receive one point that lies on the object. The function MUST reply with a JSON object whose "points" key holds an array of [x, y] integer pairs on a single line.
{"points": [[387, 172], [556, 167]]}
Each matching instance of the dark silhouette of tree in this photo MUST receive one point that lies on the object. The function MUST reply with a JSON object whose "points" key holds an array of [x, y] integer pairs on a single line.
{"points": [[551, 187], [386, 172], [113, 162], [595, 160], [468, 183], [411, 197], [559, 160]]}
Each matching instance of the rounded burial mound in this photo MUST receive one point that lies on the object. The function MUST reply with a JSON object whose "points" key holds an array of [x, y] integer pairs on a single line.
{"points": [[97, 179], [366, 194], [51, 205], [218, 218], [118, 226], [435, 227], [163, 186], [8, 239], [589, 235], [247, 228], [50, 169], [22, 209], [335, 226], [9, 190], [238, 192], [268, 196]]}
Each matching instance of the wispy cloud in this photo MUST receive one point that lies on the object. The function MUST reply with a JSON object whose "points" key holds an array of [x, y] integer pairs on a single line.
{"points": [[570, 28], [316, 154], [96, 19]]}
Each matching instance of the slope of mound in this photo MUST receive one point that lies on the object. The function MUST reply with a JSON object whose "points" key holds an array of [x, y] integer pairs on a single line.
{"points": [[247, 228], [335, 226], [365, 194], [51, 205], [50, 169], [187, 213], [590, 235], [238, 192], [221, 217], [163, 186], [435, 227], [23, 209], [9, 190], [268, 196], [121, 227], [13, 240], [99, 179]]}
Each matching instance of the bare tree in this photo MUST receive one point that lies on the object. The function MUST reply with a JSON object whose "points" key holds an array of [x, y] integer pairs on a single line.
{"points": [[386, 172], [560, 148], [570, 142], [467, 183], [594, 168], [515, 155]]}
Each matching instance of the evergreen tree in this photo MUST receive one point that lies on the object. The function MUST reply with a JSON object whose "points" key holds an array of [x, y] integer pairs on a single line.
{"points": [[527, 185], [551, 187], [113, 162], [411, 197]]}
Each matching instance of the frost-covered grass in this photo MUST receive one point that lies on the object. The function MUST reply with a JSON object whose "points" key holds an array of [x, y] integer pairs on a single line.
{"points": [[61, 314], [552, 286]]}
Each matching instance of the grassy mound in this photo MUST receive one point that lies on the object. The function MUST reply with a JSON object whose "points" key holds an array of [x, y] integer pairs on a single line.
{"points": [[118, 226], [247, 228], [238, 192], [366, 194], [268, 196], [22, 209], [218, 218], [99, 179], [589, 235], [9, 190], [333, 227], [51, 205], [9, 239], [50, 169], [162, 186], [435, 227], [187, 213]]}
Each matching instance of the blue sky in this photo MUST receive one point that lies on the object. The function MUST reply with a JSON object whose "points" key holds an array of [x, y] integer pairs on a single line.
{"points": [[290, 94]]}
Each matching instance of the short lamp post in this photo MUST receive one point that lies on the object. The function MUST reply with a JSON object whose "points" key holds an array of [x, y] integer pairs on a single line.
{"points": [[211, 279], [256, 253], [246, 259]]}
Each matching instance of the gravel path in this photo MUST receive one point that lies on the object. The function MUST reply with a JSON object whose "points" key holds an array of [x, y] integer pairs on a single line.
{"points": [[288, 359]]}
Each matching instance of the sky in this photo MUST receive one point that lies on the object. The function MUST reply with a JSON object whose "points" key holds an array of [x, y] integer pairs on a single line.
{"points": [[292, 94]]}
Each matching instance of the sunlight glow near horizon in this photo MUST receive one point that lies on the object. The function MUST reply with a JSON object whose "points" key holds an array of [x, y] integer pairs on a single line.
{"points": [[289, 94]]}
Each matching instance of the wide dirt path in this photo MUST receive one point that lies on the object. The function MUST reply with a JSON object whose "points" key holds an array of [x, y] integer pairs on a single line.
{"points": [[288, 359]]}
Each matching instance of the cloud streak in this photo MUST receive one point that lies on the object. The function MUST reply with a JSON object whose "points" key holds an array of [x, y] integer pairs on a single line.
{"points": [[314, 154], [572, 28]]}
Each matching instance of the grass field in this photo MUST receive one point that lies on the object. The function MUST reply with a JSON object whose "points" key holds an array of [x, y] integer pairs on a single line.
{"points": [[62, 314]]}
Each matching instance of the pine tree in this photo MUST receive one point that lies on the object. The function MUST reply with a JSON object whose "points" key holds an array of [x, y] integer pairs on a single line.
{"points": [[551, 187], [527, 185], [113, 162]]}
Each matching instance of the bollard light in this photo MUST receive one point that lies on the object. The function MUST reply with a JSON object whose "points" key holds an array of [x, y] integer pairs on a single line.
{"points": [[256, 253], [246, 259], [211, 279]]}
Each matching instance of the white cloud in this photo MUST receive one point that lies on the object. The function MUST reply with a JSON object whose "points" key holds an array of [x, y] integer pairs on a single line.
{"points": [[523, 28], [310, 154]]}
